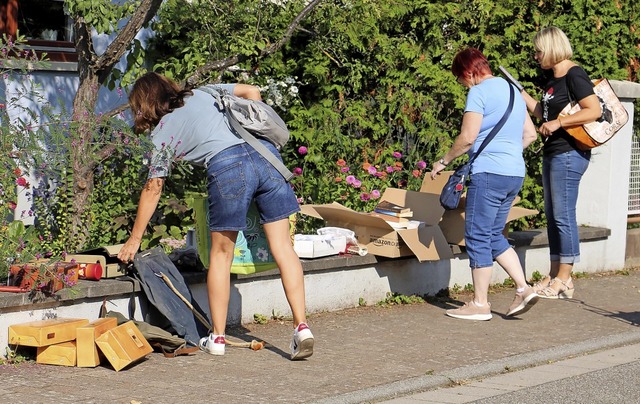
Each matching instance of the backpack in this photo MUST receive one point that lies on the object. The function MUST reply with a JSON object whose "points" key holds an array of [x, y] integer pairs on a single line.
{"points": [[251, 119], [256, 117]]}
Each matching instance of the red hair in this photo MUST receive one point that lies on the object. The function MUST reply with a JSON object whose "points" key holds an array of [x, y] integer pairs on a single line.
{"points": [[470, 61]]}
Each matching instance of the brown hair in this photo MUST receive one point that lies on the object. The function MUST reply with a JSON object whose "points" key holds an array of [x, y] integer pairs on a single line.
{"points": [[470, 61], [152, 97]]}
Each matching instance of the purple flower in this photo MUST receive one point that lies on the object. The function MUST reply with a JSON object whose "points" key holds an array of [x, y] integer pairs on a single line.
{"points": [[372, 170], [357, 183], [297, 171], [302, 150], [397, 154], [390, 169], [365, 196], [375, 194], [345, 169], [421, 165], [350, 179]]}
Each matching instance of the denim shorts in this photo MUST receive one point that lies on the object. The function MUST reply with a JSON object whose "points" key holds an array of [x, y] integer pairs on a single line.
{"points": [[561, 175], [238, 175], [489, 199]]}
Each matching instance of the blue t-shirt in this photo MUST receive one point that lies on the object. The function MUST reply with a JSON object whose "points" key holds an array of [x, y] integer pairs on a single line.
{"points": [[503, 154], [195, 132]]}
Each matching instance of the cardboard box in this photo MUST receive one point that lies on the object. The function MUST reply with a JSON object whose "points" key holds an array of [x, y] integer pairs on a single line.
{"points": [[106, 256], [45, 332], [452, 223], [123, 345], [62, 354], [88, 354], [316, 245], [426, 243]]}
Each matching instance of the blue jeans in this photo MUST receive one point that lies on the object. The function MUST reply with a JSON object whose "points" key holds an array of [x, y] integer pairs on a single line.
{"points": [[237, 176], [561, 176], [489, 199]]}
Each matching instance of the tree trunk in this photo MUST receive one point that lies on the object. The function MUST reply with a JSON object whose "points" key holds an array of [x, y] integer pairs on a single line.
{"points": [[83, 162]]}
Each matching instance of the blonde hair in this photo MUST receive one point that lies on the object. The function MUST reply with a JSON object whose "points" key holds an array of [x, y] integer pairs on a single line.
{"points": [[554, 45]]}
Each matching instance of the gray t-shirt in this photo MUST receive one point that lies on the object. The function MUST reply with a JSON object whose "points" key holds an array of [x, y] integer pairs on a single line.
{"points": [[194, 132]]}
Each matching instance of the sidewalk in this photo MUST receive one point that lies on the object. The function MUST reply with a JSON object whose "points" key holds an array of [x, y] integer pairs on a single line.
{"points": [[364, 354]]}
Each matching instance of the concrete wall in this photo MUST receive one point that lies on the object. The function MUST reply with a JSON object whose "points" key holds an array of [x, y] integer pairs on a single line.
{"points": [[604, 189]]}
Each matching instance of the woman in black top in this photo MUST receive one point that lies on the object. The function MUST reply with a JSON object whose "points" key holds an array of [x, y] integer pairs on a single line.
{"points": [[563, 163]]}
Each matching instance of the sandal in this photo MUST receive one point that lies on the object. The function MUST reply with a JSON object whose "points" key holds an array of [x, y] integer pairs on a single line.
{"points": [[539, 286], [565, 291]]}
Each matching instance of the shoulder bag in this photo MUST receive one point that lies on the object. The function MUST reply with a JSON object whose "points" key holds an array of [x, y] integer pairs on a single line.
{"points": [[614, 117], [453, 189]]}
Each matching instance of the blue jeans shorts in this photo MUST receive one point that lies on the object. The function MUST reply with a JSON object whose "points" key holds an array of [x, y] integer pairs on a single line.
{"points": [[238, 175], [489, 199], [561, 175]]}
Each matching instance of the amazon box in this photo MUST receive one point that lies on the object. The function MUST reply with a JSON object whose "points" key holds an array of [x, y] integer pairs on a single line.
{"points": [[426, 243], [452, 223]]}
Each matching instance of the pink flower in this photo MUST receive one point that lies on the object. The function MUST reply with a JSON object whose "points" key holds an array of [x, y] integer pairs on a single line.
{"points": [[300, 200], [297, 171], [11, 205], [397, 154], [357, 183], [22, 181], [350, 179], [302, 150], [421, 165], [390, 169], [375, 194], [345, 169], [365, 196], [372, 170]]}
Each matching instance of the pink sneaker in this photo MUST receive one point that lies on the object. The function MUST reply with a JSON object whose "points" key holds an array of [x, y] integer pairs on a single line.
{"points": [[470, 311]]}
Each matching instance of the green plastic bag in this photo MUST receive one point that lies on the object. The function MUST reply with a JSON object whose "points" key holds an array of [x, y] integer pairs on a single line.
{"points": [[251, 253]]}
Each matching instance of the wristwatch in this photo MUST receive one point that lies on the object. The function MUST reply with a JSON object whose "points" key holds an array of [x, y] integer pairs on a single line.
{"points": [[441, 161]]}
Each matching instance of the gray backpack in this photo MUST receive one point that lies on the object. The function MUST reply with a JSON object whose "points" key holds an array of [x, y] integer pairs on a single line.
{"points": [[251, 119]]}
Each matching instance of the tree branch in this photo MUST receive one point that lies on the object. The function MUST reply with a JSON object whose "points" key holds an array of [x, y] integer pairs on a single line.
{"points": [[116, 49], [218, 65]]}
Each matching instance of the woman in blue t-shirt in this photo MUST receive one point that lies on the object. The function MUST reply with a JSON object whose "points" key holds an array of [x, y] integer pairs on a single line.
{"points": [[190, 125], [496, 178], [563, 164]]}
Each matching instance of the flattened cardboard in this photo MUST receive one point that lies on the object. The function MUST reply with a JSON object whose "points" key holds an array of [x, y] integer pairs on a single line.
{"points": [[45, 332], [88, 354], [123, 345], [373, 232], [452, 223], [62, 354]]}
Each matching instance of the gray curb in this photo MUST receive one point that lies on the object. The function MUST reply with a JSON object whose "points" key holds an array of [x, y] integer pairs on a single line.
{"points": [[465, 373]]}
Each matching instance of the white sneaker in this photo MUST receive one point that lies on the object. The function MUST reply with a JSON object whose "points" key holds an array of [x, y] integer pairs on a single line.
{"points": [[213, 344], [302, 343]]}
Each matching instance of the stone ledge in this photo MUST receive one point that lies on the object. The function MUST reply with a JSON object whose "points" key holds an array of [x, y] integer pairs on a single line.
{"points": [[110, 288], [538, 237]]}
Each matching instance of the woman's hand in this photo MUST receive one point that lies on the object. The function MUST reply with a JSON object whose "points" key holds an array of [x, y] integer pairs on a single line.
{"points": [[437, 167], [547, 128], [129, 250]]}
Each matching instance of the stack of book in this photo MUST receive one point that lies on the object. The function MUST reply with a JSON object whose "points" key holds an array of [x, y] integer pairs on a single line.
{"points": [[391, 209]]}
